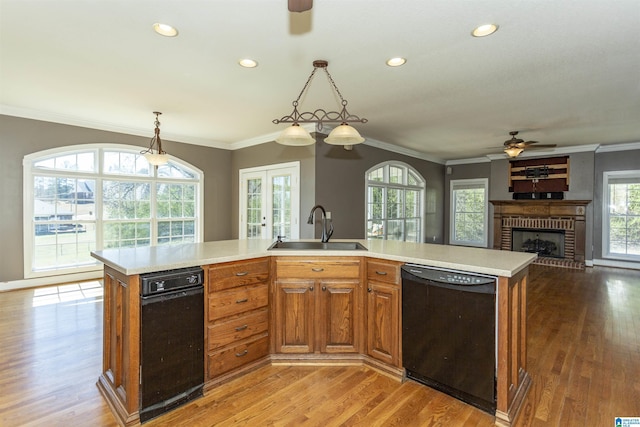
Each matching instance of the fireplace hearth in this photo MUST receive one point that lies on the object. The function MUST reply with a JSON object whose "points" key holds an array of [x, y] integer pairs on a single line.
{"points": [[554, 229]]}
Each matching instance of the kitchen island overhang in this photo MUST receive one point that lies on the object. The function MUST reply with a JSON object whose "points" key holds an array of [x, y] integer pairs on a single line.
{"points": [[122, 315]]}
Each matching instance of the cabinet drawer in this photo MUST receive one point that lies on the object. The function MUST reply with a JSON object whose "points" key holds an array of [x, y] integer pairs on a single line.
{"points": [[318, 268], [238, 328], [237, 300], [383, 271], [231, 358], [231, 275]]}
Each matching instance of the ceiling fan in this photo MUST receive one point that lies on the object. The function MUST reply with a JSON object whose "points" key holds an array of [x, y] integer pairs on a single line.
{"points": [[300, 5], [514, 146]]}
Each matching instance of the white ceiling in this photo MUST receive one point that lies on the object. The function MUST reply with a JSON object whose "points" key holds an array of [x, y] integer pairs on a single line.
{"points": [[563, 72]]}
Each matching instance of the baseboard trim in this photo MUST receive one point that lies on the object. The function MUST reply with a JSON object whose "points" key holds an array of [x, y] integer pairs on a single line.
{"points": [[617, 264], [50, 280]]}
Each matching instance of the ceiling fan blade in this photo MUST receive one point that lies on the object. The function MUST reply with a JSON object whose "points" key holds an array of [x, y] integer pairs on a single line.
{"points": [[300, 5]]}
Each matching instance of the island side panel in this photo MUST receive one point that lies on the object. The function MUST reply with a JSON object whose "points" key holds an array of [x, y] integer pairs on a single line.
{"points": [[513, 380], [121, 345]]}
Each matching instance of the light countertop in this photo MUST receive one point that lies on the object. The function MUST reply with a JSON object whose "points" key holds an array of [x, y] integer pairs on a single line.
{"points": [[149, 259]]}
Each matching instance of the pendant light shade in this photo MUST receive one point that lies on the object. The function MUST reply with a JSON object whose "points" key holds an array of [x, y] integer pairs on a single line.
{"points": [[157, 159], [295, 135], [344, 135]]}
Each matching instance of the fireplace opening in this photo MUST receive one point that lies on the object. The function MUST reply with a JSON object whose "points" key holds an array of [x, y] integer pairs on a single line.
{"points": [[545, 243]]}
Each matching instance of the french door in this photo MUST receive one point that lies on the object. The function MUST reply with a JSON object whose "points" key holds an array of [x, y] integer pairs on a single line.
{"points": [[270, 201]]}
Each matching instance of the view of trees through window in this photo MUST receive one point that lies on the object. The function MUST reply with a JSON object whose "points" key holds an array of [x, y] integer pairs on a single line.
{"points": [[92, 199], [469, 212], [395, 195], [624, 216]]}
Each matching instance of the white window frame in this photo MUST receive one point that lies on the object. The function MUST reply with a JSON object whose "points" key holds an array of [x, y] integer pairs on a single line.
{"points": [[606, 178], [99, 176], [386, 184], [461, 184]]}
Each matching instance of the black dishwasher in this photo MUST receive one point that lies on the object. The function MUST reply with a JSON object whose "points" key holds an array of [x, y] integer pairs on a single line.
{"points": [[449, 332], [171, 340]]}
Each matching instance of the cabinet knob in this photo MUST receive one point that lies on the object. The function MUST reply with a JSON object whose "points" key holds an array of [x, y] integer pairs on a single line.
{"points": [[324, 288], [311, 288], [369, 290]]}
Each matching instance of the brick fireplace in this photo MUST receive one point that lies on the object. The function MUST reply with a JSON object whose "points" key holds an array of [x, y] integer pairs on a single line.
{"points": [[567, 216]]}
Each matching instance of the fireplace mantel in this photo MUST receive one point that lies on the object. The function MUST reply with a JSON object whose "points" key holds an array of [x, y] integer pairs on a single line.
{"points": [[543, 214]]}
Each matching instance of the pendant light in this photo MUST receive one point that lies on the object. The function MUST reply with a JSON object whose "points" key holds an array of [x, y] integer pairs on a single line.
{"points": [[155, 155], [343, 134]]}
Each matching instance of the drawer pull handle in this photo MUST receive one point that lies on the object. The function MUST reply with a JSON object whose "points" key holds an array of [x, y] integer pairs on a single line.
{"points": [[240, 301], [243, 353], [317, 270], [381, 273], [242, 273], [241, 328]]}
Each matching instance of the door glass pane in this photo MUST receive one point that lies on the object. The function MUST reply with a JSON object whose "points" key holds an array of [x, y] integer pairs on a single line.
{"points": [[281, 202], [254, 208]]}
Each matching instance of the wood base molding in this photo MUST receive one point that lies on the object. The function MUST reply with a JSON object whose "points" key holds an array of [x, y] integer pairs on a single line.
{"points": [[122, 416], [507, 419]]}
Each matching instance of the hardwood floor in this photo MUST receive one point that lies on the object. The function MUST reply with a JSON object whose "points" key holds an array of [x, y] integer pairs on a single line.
{"points": [[583, 356]]}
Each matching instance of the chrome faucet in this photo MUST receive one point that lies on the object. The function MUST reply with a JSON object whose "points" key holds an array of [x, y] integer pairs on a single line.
{"points": [[326, 231]]}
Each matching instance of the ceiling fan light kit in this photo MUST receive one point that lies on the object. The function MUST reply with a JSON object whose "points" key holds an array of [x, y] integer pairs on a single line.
{"points": [[155, 155], [343, 134], [515, 146]]}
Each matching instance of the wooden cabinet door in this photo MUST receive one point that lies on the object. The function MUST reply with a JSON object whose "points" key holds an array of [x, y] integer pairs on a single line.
{"points": [[295, 316], [338, 331], [383, 311]]}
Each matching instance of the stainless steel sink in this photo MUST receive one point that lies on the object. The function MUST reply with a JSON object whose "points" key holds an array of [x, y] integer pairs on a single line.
{"points": [[331, 246]]}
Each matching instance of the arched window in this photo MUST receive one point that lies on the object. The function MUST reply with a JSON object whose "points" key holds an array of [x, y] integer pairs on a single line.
{"points": [[91, 197], [395, 202]]}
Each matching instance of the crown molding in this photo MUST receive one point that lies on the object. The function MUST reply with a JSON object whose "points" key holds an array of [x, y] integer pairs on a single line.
{"points": [[607, 148], [63, 119], [474, 160], [401, 150]]}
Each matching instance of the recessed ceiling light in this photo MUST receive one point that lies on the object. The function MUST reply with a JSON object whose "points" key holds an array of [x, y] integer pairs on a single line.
{"points": [[248, 63], [396, 62], [165, 30], [484, 30]]}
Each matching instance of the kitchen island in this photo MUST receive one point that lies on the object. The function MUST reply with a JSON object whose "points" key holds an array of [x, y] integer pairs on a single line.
{"points": [[349, 271]]}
